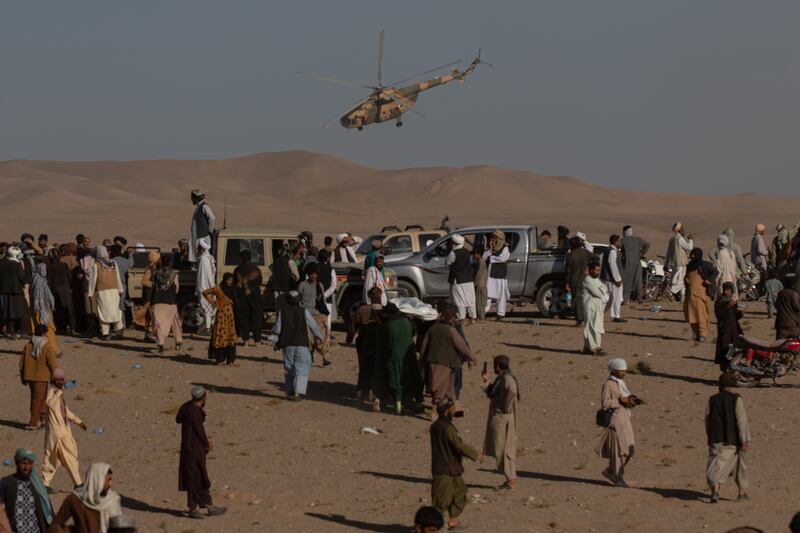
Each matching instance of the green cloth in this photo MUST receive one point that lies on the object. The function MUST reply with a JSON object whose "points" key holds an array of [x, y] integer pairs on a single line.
{"points": [[380, 372], [449, 495], [396, 368], [404, 373]]}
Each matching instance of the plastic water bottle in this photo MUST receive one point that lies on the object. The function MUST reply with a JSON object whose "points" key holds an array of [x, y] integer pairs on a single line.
{"points": [[655, 309], [70, 384], [8, 462], [569, 299], [99, 431], [137, 366]]}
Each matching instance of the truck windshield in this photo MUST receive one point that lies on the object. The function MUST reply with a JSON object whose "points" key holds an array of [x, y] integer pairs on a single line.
{"points": [[236, 246]]}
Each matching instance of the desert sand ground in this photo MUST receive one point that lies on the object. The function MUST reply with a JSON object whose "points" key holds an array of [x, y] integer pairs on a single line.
{"points": [[306, 467]]}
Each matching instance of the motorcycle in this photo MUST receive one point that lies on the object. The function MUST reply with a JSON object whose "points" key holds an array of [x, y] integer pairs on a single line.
{"points": [[752, 360], [656, 280], [749, 284]]}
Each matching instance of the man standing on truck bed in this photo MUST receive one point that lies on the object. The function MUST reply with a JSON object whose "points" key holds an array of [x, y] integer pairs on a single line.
{"points": [[497, 283], [462, 287], [202, 222]]}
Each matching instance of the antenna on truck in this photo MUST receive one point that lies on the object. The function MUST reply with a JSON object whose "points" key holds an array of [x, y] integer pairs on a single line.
{"points": [[224, 213]]}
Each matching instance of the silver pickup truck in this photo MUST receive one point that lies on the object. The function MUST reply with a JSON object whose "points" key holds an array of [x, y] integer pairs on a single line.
{"points": [[534, 275]]}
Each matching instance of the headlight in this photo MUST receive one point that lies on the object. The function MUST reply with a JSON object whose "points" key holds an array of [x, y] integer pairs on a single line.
{"points": [[391, 278]]}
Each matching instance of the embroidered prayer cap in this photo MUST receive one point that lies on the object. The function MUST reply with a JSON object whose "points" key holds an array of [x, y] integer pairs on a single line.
{"points": [[198, 391]]}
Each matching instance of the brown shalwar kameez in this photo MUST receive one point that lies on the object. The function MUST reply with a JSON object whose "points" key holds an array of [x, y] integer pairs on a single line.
{"points": [[501, 428], [192, 472], [695, 305]]}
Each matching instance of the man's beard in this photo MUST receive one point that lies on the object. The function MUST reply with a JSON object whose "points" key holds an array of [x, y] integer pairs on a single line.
{"points": [[104, 493]]}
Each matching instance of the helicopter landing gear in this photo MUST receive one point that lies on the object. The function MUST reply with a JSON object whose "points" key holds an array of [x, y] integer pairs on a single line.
{"points": [[399, 123]]}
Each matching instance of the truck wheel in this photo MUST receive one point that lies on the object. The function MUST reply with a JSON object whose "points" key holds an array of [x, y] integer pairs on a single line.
{"points": [[551, 299], [192, 314], [409, 288]]}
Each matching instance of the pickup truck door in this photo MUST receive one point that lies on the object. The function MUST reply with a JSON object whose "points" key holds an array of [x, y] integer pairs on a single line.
{"points": [[517, 263], [434, 269], [436, 272]]}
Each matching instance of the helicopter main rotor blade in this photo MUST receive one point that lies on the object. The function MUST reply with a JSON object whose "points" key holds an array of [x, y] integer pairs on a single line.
{"points": [[426, 72], [334, 80], [380, 60], [350, 108], [404, 103]]}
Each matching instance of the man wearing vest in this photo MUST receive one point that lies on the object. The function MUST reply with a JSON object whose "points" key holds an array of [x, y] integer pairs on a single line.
{"points": [[611, 275], [292, 327], [25, 497], [728, 438], [448, 490], [202, 222], [462, 272], [677, 258]]}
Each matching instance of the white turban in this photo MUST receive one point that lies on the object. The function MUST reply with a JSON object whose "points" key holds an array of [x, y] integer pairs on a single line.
{"points": [[13, 252], [760, 228], [723, 240], [581, 235], [458, 241], [340, 238], [618, 364]]}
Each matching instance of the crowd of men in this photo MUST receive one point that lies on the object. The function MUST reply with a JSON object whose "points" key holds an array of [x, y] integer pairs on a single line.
{"points": [[77, 288]]}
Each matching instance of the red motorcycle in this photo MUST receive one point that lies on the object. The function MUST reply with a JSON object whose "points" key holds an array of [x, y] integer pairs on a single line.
{"points": [[752, 360]]}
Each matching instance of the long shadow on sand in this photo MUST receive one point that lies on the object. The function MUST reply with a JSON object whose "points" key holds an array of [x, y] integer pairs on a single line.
{"points": [[138, 505], [680, 494], [703, 359], [357, 524], [415, 479], [646, 335], [121, 347], [257, 359], [335, 392], [541, 348], [650, 319], [12, 424], [678, 377], [186, 359], [226, 389]]}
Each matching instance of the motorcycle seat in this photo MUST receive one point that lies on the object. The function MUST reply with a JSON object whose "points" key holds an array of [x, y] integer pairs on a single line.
{"points": [[769, 346]]}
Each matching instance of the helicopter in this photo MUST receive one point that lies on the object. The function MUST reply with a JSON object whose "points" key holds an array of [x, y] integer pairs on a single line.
{"points": [[387, 103]]}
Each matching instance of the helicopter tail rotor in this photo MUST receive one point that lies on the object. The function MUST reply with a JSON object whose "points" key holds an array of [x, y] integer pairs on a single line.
{"points": [[479, 61]]}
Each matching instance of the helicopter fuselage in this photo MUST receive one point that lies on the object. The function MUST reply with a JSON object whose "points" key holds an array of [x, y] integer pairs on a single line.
{"points": [[390, 103]]}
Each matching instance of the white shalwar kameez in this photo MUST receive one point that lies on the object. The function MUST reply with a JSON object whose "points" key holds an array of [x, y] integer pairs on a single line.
{"points": [[374, 278], [497, 288], [614, 299], [462, 295], [206, 279], [329, 295]]}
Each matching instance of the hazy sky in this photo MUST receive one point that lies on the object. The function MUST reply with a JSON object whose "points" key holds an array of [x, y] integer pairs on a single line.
{"points": [[684, 95]]}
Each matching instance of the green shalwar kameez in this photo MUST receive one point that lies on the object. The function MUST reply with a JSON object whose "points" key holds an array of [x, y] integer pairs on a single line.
{"points": [[448, 490]]}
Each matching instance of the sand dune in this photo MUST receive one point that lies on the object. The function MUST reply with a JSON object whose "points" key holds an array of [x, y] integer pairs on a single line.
{"points": [[148, 201]]}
